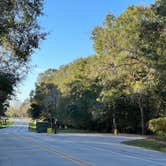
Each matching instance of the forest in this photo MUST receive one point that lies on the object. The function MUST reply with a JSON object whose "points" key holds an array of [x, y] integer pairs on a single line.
{"points": [[122, 86]]}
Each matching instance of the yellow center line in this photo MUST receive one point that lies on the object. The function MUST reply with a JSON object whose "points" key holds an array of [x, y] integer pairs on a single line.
{"points": [[55, 151]]}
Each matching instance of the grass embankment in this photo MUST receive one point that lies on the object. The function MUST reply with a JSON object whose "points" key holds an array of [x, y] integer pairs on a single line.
{"points": [[152, 143], [4, 124]]}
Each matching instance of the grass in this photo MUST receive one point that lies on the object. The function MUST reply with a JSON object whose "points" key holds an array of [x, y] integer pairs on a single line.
{"points": [[72, 131], [32, 126], [7, 124], [152, 143]]}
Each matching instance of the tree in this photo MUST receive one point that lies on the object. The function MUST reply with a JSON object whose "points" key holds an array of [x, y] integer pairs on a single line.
{"points": [[19, 29], [19, 109], [43, 102], [34, 111], [7, 81], [19, 36], [153, 29], [133, 57], [123, 85]]}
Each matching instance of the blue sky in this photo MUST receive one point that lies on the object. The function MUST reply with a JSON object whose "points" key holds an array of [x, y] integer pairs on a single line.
{"points": [[69, 23]]}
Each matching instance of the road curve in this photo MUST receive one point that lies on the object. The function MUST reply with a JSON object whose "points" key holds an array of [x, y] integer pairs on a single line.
{"points": [[18, 147]]}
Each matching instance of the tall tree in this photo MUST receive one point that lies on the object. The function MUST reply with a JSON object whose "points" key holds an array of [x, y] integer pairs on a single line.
{"points": [[19, 36], [129, 40], [44, 101]]}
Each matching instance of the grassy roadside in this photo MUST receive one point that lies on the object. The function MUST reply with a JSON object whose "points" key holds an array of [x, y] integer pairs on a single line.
{"points": [[32, 126], [72, 131], [152, 143], [8, 123]]}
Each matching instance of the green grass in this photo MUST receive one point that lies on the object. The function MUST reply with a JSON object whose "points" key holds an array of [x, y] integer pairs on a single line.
{"points": [[32, 126], [8, 123], [74, 131], [153, 143]]}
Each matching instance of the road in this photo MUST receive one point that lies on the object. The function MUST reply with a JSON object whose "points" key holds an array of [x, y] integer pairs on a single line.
{"points": [[18, 147]]}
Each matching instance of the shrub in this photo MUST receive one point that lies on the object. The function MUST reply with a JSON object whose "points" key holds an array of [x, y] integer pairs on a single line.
{"points": [[158, 126]]}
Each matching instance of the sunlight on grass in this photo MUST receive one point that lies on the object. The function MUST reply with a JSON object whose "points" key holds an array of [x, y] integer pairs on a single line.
{"points": [[158, 144], [8, 123]]}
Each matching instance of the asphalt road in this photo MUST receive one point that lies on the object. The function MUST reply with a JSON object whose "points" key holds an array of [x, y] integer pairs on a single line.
{"points": [[18, 147]]}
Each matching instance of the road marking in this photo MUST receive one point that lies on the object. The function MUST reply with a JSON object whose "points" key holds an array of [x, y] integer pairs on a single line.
{"points": [[61, 154]]}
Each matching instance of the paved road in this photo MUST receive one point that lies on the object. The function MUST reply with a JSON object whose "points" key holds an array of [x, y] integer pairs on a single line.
{"points": [[18, 147]]}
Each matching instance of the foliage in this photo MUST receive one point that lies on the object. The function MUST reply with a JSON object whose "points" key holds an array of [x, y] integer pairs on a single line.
{"points": [[4, 122], [129, 40], [43, 102], [123, 85], [7, 81], [35, 111], [158, 125], [18, 109], [19, 36]]}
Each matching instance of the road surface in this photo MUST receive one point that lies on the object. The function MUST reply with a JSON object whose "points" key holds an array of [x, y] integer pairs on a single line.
{"points": [[18, 147]]}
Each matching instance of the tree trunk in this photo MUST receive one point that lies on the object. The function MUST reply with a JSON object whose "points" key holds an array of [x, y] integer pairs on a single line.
{"points": [[142, 115], [114, 117], [114, 121]]}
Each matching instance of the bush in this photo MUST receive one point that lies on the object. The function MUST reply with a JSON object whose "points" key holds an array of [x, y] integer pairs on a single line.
{"points": [[158, 126]]}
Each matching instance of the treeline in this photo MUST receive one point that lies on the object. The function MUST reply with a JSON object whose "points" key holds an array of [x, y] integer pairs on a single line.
{"points": [[19, 109], [123, 86]]}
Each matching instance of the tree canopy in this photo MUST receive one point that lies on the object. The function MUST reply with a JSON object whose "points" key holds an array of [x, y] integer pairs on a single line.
{"points": [[123, 85], [19, 36]]}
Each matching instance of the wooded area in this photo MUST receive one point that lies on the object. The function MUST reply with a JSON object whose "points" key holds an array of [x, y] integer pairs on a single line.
{"points": [[123, 86]]}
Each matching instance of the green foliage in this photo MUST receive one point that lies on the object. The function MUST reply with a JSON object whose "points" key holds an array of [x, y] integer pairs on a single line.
{"points": [[43, 101], [5, 122], [19, 29], [19, 109], [158, 126], [7, 81], [123, 85], [19, 35], [135, 42], [35, 111]]}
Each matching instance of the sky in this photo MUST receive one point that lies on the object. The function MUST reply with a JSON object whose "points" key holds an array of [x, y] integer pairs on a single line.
{"points": [[69, 24]]}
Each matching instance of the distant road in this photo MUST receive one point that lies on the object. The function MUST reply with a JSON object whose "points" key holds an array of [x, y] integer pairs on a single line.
{"points": [[18, 147]]}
